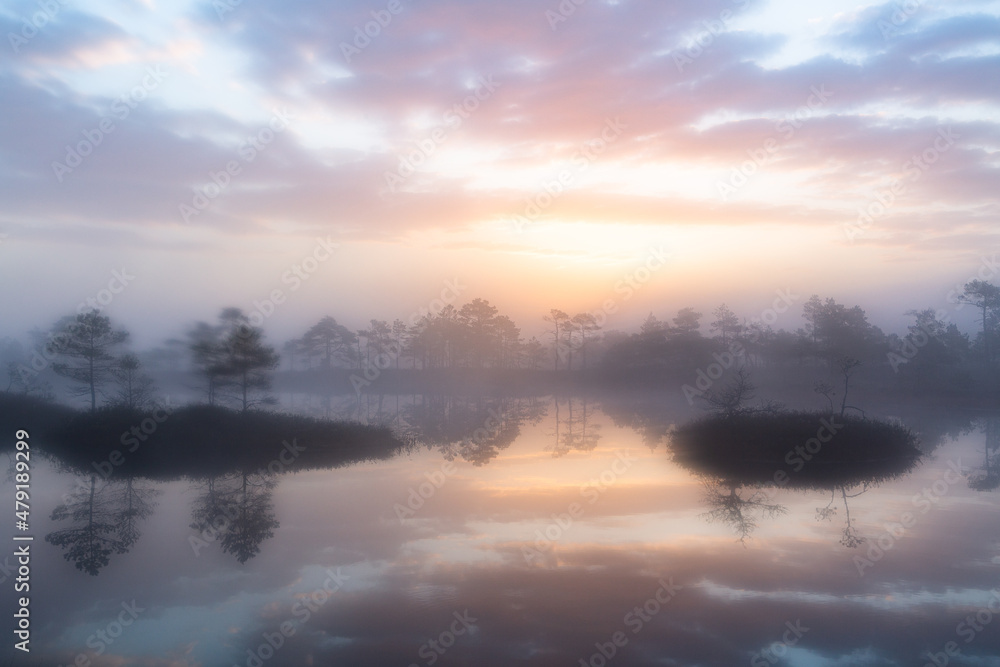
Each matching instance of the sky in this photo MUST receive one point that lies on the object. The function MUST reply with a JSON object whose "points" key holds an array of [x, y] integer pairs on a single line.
{"points": [[378, 158]]}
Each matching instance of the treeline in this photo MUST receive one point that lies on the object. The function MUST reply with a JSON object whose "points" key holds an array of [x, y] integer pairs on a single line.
{"points": [[477, 336], [235, 363], [473, 336]]}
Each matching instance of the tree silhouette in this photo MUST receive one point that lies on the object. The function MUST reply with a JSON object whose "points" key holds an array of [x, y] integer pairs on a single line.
{"points": [[507, 338], [986, 297], [686, 323], [249, 361], [478, 316], [730, 399], [399, 333], [559, 319], [85, 344], [847, 366], [534, 353], [135, 388], [329, 340], [585, 323], [207, 352], [838, 331], [726, 323], [233, 354]]}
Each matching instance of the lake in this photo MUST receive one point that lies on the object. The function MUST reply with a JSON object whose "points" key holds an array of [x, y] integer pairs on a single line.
{"points": [[528, 531]]}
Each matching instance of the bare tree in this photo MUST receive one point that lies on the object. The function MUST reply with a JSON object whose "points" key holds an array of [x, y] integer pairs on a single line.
{"points": [[730, 399], [827, 390], [738, 512], [847, 366]]}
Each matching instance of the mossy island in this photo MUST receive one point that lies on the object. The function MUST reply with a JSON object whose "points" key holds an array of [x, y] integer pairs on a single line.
{"points": [[806, 450], [192, 441]]}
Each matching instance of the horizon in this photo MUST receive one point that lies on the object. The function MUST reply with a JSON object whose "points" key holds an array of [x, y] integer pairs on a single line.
{"points": [[846, 151]]}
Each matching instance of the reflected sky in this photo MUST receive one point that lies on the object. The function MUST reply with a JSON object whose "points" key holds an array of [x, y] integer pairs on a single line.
{"points": [[550, 550]]}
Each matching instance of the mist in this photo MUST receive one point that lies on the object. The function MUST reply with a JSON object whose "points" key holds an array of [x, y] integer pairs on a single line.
{"points": [[523, 333]]}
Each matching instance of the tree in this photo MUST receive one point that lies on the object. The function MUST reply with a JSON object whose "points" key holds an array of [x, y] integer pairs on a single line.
{"points": [[379, 337], [534, 353], [21, 377], [233, 354], [726, 322], [248, 361], [328, 340], [730, 399], [838, 331], [135, 388], [986, 297], [566, 349], [585, 322], [847, 365], [508, 341], [558, 319], [208, 354], [399, 332], [827, 390], [652, 329], [686, 323], [478, 317], [86, 344]]}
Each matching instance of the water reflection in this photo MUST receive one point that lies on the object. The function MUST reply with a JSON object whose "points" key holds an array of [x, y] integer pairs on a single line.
{"points": [[766, 451], [103, 520], [462, 550], [738, 511], [850, 538], [987, 476], [575, 430], [237, 511], [476, 430], [234, 509]]}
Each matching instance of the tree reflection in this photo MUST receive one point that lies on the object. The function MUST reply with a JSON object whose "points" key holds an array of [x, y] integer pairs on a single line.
{"points": [[987, 477], [135, 503], [850, 538], [237, 511], [105, 518], [475, 429], [574, 431], [793, 452], [739, 512]]}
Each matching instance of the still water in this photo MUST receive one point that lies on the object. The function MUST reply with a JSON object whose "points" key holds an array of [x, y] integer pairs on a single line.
{"points": [[528, 532]]}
